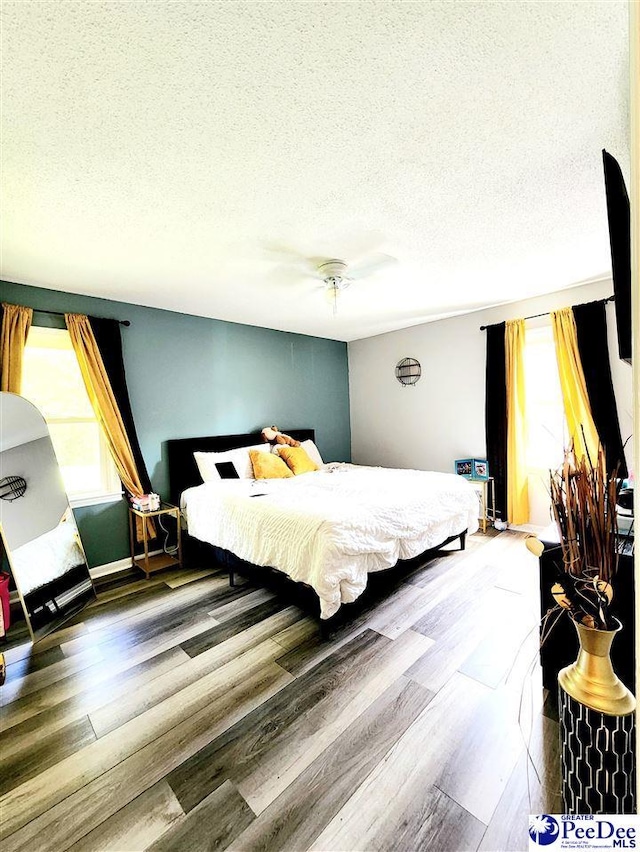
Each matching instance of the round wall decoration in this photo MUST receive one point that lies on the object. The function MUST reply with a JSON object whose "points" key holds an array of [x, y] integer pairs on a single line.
{"points": [[408, 371], [12, 487]]}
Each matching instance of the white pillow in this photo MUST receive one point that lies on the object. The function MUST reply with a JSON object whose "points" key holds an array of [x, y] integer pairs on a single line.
{"points": [[239, 457], [313, 452], [310, 448]]}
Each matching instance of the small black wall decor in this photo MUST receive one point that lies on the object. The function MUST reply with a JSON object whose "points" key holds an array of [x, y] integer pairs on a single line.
{"points": [[408, 371]]}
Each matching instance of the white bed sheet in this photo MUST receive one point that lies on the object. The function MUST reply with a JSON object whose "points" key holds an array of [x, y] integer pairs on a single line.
{"points": [[331, 528]]}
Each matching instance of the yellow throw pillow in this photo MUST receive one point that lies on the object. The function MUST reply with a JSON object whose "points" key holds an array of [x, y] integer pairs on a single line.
{"points": [[268, 466], [297, 459]]}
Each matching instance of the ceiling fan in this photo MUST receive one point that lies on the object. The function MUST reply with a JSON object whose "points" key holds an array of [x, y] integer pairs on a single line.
{"points": [[335, 274]]}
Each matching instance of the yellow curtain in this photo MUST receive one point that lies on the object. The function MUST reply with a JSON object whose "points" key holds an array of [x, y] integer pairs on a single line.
{"points": [[105, 407], [16, 322], [582, 430], [517, 479]]}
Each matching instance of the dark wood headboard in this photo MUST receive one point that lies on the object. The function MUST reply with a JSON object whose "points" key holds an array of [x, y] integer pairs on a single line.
{"points": [[183, 471]]}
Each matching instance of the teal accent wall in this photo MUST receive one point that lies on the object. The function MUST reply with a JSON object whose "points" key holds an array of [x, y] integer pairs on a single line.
{"points": [[191, 376]]}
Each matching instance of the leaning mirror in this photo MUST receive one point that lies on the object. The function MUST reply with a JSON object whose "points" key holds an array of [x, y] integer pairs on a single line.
{"points": [[39, 532]]}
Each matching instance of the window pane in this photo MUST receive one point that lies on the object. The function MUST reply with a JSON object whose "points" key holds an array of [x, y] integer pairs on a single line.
{"points": [[546, 424], [51, 377], [77, 447]]}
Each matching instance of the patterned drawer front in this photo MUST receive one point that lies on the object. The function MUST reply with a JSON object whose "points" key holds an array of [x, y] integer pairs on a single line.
{"points": [[598, 760]]}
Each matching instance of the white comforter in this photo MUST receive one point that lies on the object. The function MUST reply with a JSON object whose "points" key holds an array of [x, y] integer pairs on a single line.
{"points": [[330, 528]]}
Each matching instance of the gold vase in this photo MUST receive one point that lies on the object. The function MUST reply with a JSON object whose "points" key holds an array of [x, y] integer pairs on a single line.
{"points": [[591, 680]]}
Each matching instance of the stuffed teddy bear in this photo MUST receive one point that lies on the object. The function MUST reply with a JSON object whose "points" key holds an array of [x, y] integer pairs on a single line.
{"points": [[271, 434]]}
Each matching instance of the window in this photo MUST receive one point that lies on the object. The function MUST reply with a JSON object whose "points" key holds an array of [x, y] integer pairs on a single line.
{"points": [[546, 424], [51, 379], [547, 433]]}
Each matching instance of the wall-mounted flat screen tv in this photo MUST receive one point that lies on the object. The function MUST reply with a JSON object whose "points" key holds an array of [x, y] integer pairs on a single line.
{"points": [[619, 215]]}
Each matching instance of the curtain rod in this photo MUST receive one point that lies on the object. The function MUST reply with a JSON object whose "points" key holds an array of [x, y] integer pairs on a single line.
{"points": [[62, 313], [546, 313]]}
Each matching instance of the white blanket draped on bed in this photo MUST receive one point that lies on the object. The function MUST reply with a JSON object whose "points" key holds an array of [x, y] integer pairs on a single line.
{"points": [[330, 528]]}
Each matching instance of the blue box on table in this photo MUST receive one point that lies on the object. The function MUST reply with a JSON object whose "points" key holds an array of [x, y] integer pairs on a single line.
{"points": [[472, 468]]}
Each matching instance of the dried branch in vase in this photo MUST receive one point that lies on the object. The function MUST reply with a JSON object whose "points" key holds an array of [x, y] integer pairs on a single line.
{"points": [[583, 499]]}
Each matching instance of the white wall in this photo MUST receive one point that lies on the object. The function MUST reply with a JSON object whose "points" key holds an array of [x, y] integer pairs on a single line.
{"points": [[442, 417]]}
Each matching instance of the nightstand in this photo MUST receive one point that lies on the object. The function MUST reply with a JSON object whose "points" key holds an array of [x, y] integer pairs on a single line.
{"points": [[486, 498], [150, 563]]}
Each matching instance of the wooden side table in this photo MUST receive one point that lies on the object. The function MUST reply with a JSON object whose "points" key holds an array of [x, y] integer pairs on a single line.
{"points": [[487, 494], [156, 562]]}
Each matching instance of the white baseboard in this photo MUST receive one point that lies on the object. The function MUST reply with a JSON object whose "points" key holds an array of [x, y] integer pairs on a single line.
{"points": [[114, 567], [110, 568]]}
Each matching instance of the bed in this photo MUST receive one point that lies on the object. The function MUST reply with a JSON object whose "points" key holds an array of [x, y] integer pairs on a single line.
{"points": [[329, 529]]}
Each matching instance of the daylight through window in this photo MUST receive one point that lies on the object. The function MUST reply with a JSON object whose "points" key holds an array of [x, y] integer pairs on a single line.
{"points": [[546, 423], [51, 379]]}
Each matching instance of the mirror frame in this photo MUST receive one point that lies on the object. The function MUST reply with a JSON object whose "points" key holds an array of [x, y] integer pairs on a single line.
{"points": [[5, 549]]}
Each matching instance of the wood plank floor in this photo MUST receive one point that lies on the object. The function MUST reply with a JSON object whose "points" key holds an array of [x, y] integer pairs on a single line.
{"points": [[182, 714]]}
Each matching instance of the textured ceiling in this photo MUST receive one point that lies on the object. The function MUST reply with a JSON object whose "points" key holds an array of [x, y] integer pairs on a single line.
{"points": [[158, 153]]}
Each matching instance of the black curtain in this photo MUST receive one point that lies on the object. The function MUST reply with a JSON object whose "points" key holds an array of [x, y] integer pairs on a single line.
{"points": [[496, 415], [591, 327], [107, 335]]}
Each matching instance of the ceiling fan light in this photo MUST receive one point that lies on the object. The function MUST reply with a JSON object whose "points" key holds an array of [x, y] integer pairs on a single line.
{"points": [[331, 293]]}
